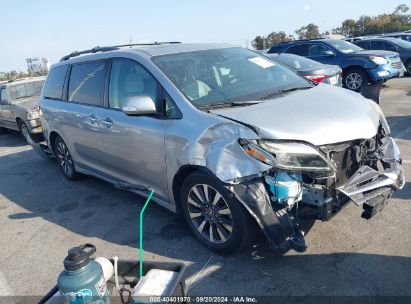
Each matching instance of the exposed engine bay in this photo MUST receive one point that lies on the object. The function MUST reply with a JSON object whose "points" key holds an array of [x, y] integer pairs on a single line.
{"points": [[365, 172]]}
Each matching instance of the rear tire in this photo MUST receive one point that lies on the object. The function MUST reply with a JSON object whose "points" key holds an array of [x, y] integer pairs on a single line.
{"points": [[64, 159], [355, 79], [215, 216], [408, 67], [3, 130]]}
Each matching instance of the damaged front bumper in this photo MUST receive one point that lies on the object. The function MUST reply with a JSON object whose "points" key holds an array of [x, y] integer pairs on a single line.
{"points": [[368, 186]]}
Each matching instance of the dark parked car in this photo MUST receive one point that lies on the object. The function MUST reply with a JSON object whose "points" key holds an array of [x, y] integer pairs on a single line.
{"points": [[311, 69], [403, 36], [390, 44], [359, 67]]}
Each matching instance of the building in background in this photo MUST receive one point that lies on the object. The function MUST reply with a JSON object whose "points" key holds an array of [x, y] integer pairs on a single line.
{"points": [[37, 66]]}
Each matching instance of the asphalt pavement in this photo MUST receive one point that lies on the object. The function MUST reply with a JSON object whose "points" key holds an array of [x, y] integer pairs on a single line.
{"points": [[42, 215]]}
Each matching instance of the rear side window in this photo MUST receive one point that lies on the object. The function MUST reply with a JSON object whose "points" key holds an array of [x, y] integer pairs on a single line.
{"points": [[301, 50], [86, 83], [53, 88]]}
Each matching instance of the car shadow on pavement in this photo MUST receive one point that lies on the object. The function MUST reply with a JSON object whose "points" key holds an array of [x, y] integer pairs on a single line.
{"points": [[94, 209], [400, 126], [11, 139], [404, 193]]}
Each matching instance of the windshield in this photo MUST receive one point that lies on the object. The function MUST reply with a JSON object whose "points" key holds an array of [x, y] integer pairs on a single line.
{"points": [[400, 42], [224, 76], [296, 62], [345, 46], [28, 89]]}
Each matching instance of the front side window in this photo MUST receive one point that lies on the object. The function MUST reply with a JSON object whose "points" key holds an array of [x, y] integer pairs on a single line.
{"points": [[316, 50], [128, 78], [53, 88], [226, 76], [25, 90], [363, 44], [86, 83]]}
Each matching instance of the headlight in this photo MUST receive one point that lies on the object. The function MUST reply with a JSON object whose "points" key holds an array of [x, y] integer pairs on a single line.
{"points": [[378, 60], [256, 152], [289, 156]]}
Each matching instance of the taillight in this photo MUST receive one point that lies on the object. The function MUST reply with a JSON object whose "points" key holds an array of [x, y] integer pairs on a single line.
{"points": [[316, 78]]}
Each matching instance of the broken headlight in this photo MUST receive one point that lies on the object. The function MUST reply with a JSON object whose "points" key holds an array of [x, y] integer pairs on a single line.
{"points": [[296, 156]]}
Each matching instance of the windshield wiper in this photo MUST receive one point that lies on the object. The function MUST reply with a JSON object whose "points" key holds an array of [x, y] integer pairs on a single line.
{"points": [[282, 91], [245, 102]]}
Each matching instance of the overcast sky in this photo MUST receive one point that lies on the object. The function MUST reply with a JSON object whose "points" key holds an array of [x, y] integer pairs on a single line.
{"points": [[53, 28]]}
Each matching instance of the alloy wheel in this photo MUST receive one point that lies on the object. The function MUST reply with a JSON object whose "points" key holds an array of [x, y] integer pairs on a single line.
{"points": [[353, 81], [210, 213], [64, 158]]}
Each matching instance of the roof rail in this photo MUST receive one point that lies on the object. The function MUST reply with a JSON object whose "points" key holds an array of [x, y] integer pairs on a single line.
{"points": [[298, 40], [111, 48]]}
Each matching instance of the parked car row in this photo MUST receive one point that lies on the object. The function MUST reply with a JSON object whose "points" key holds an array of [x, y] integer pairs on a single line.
{"points": [[359, 66], [231, 139], [19, 106]]}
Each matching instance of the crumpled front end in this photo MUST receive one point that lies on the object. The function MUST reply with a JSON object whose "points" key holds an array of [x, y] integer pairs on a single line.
{"points": [[363, 171]]}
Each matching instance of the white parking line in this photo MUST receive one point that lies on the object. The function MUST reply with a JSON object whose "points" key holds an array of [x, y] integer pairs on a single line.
{"points": [[5, 289]]}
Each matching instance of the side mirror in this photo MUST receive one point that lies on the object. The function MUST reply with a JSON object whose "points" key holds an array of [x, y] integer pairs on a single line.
{"points": [[139, 105], [329, 53]]}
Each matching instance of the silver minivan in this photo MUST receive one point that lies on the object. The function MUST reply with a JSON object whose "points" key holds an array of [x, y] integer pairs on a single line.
{"points": [[231, 139]]}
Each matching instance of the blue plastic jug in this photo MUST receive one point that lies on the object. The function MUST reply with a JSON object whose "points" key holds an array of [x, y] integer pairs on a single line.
{"points": [[82, 281]]}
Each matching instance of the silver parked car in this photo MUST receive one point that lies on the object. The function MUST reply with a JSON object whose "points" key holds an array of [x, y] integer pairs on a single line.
{"points": [[227, 137], [19, 106]]}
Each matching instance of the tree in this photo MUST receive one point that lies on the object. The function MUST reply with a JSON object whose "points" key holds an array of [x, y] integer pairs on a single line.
{"points": [[348, 28], [276, 38], [309, 31], [258, 43], [401, 9]]}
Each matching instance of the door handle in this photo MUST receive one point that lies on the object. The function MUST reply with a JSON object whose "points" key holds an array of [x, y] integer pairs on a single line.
{"points": [[93, 119], [108, 122]]}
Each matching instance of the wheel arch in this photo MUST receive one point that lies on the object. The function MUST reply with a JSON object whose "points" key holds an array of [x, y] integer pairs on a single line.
{"points": [[353, 67], [52, 137], [179, 178]]}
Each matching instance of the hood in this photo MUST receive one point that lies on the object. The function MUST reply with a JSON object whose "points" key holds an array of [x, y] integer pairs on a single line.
{"points": [[27, 103], [322, 115], [385, 54]]}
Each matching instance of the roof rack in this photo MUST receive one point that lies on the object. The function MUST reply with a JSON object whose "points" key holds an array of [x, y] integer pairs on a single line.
{"points": [[111, 48]]}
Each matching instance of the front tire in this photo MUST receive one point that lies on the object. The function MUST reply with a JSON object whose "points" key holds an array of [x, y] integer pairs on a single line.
{"points": [[355, 79], [214, 215], [24, 130], [64, 159]]}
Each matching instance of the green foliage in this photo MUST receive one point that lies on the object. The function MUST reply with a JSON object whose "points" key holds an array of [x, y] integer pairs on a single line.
{"points": [[309, 31], [398, 21], [261, 43]]}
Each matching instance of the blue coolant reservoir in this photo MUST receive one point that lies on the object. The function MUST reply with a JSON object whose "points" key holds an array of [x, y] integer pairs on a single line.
{"points": [[285, 187]]}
